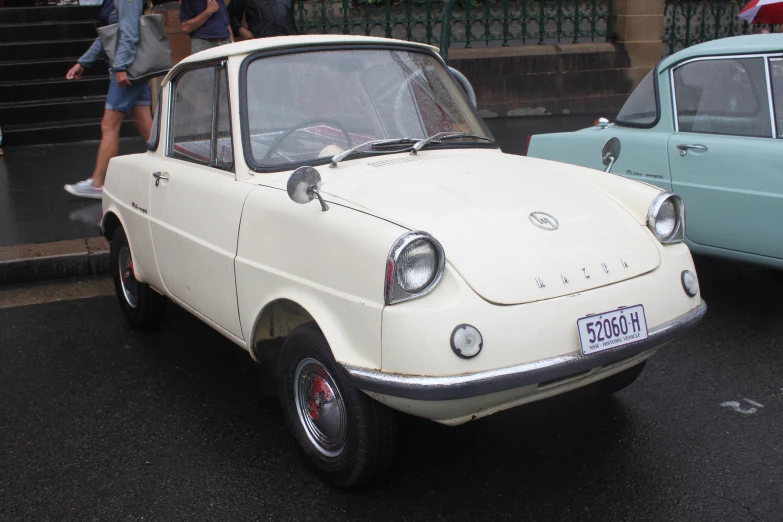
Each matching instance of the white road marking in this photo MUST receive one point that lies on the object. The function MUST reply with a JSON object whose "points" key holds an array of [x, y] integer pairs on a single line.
{"points": [[735, 405], [754, 403]]}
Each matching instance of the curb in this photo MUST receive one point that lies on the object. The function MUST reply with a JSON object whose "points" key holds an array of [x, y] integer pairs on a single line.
{"points": [[55, 260]]}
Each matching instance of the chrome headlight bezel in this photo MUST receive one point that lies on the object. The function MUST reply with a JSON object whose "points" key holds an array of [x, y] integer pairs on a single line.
{"points": [[678, 235], [393, 291]]}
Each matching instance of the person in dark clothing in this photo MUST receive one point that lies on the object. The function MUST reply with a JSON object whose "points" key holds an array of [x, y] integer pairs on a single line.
{"points": [[206, 21], [264, 17]]}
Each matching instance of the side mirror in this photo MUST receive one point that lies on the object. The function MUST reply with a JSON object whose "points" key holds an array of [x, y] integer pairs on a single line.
{"points": [[610, 153], [304, 185], [465, 84]]}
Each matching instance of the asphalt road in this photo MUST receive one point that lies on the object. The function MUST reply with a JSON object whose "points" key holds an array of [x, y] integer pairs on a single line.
{"points": [[99, 422]]}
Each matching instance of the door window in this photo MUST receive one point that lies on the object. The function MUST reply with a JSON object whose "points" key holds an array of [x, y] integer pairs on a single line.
{"points": [[200, 118], [725, 96], [191, 117], [776, 79]]}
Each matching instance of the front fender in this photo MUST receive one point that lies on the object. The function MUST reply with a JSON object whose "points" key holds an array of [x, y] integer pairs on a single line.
{"points": [[331, 263]]}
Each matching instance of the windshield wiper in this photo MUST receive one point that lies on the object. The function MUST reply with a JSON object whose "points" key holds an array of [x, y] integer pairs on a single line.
{"points": [[437, 138], [337, 158]]}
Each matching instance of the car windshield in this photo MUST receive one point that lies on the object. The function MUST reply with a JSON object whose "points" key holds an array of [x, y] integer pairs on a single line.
{"points": [[641, 109], [309, 106]]}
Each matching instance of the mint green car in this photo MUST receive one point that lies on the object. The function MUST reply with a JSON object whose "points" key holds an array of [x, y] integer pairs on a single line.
{"points": [[707, 125]]}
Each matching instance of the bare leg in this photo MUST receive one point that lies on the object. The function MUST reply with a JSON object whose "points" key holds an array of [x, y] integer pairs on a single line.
{"points": [[110, 144], [142, 119]]}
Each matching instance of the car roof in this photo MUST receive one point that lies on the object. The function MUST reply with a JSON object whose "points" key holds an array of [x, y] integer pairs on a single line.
{"points": [[288, 42], [749, 44]]}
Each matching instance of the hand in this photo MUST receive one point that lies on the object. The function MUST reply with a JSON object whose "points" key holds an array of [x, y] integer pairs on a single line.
{"points": [[212, 6], [245, 34], [121, 77], [75, 72]]}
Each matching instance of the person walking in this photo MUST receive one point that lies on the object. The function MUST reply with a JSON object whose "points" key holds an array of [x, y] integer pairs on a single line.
{"points": [[206, 21], [264, 18], [124, 97]]}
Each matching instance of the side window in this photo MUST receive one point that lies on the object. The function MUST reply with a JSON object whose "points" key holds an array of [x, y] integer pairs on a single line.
{"points": [[224, 149], [726, 96], [191, 116], [776, 78], [641, 108]]}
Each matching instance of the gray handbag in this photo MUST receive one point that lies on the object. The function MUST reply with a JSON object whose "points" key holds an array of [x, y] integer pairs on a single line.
{"points": [[153, 54]]}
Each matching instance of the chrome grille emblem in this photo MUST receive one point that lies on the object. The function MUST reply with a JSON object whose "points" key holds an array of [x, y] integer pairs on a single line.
{"points": [[543, 220]]}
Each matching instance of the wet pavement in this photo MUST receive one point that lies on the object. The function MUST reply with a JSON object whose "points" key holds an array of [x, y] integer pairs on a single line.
{"points": [[99, 422], [34, 208]]}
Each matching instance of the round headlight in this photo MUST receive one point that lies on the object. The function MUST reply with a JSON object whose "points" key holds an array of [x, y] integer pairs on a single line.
{"points": [[414, 266], [666, 218], [417, 266]]}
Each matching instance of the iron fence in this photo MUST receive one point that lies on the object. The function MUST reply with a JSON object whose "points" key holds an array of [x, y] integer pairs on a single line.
{"points": [[688, 22], [473, 22]]}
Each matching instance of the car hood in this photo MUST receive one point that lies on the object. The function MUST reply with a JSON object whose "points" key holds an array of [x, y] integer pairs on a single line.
{"points": [[478, 204]]}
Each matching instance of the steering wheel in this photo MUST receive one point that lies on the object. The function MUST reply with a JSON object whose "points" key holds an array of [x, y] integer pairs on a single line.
{"points": [[334, 123]]}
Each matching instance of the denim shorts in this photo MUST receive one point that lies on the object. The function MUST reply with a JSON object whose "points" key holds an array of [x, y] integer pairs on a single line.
{"points": [[121, 99]]}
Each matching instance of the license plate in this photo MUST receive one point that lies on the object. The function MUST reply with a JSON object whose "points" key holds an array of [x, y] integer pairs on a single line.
{"points": [[608, 330]]}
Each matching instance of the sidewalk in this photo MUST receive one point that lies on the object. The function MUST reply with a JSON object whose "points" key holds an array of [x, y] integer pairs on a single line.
{"points": [[34, 208]]}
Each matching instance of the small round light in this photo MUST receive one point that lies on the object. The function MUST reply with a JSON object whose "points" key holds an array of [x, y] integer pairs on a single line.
{"points": [[466, 341], [690, 283], [417, 266], [666, 220]]}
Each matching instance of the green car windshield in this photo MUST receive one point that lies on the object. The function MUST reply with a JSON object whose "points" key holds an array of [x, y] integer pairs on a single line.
{"points": [[308, 106]]}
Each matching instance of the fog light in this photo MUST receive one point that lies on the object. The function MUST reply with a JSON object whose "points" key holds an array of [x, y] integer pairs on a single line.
{"points": [[466, 341], [690, 283]]}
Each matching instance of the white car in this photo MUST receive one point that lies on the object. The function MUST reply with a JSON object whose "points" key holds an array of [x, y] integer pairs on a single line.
{"points": [[532, 278]]}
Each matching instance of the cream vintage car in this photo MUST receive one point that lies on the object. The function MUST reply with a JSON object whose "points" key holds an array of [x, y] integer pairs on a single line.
{"points": [[429, 274]]}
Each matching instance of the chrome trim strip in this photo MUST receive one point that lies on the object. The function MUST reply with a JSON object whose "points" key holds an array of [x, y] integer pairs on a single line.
{"points": [[452, 387], [772, 119], [674, 101]]}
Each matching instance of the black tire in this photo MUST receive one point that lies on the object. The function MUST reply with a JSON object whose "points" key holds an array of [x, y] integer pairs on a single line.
{"points": [[622, 380], [141, 305], [364, 446]]}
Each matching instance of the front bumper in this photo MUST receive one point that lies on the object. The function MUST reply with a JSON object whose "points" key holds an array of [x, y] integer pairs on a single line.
{"points": [[463, 386]]}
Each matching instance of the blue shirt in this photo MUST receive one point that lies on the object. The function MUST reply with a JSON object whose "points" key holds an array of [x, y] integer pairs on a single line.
{"points": [[127, 15], [216, 25]]}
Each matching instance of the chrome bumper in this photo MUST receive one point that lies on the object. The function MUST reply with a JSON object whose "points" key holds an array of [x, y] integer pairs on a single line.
{"points": [[462, 386]]}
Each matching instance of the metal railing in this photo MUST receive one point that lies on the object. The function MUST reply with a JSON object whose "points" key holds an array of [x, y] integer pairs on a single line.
{"points": [[472, 22], [688, 22]]}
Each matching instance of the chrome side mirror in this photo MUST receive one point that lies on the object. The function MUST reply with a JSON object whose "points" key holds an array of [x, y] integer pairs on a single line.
{"points": [[304, 186], [610, 153], [465, 84]]}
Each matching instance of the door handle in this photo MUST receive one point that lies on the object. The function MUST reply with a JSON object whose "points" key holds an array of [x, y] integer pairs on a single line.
{"points": [[683, 147], [160, 176]]}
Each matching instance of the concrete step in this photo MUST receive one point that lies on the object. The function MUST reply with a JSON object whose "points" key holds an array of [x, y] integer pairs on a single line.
{"points": [[29, 15], [43, 31], [28, 70], [60, 132], [52, 89], [43, 50], [39, 112]]}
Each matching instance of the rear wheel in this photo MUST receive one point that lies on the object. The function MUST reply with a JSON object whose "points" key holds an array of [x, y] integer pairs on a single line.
{"points": [[348, 437], [142, 306], [622, 380]]}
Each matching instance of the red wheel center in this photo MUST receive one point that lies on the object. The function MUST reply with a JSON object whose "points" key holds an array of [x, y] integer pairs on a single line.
{"points": [[128, 271], [320, 394]]}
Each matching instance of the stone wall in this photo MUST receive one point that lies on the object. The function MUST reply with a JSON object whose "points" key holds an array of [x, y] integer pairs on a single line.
{"points": [[547, 79]]}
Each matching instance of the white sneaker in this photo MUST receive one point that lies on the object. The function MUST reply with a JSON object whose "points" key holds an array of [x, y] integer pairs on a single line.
{"points": [[85, 189]]}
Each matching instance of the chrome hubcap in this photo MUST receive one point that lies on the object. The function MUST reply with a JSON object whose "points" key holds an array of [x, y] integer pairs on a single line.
{"points": [[130, 287], [320, 407]]}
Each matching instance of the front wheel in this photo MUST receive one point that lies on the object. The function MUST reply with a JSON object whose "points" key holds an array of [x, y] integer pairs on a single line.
{"points": [[141, 305], [349, 437]]}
